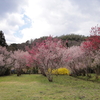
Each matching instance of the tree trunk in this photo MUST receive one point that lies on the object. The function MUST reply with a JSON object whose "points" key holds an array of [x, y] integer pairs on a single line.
{"points": [[18, 72], [43, 72], [50, 78], [97, 71], [87, 72]]}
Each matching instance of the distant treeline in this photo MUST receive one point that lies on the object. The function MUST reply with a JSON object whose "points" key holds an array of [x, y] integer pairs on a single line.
{"points": [[73, 39]]}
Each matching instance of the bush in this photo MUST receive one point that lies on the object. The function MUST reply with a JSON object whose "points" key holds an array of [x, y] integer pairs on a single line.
{"points": [[61, 71], [4, 71]]}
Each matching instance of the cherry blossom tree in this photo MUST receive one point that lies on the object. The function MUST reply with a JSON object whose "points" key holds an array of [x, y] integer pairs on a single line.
{"points": [[20, 60], [95, 30], [48, 54], [5, 61], [91, 46], [96, 63], [75, 62], [92, 43]]}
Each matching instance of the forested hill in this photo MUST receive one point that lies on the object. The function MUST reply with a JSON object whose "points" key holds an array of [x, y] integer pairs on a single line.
{"points": [[73, 39]]}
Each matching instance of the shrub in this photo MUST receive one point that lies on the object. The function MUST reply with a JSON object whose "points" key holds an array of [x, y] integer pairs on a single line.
{"points": [[61, 71]]}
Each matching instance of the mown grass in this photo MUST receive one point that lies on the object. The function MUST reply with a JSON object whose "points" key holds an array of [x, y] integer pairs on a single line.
{"points": [[37, 87]]}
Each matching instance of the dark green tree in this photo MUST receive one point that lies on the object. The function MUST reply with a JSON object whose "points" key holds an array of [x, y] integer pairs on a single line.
{"points": [[2, 39]]}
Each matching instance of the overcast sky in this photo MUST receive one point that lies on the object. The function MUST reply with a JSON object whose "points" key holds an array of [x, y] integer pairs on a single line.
{"points": [[22, 20]]}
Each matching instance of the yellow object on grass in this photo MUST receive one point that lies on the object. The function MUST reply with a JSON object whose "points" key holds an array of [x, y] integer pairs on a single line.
{"points": [[61, 71]]}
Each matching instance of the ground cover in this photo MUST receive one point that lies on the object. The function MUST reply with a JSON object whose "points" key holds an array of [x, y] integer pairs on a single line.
{"points": [[37, 87]]}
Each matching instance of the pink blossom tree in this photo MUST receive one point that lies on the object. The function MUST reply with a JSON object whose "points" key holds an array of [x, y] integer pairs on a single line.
{"points": [[48, 55], [92, 43], [20, 60], [80, 61], [92, 46], [5, 61], [96, 63], [75, 62]]}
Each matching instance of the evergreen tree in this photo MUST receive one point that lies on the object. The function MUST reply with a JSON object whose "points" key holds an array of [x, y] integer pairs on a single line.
{"points": [[2, 39]]}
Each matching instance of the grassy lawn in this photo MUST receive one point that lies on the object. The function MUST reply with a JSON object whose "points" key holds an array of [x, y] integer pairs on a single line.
{"points": [[37, 87]]}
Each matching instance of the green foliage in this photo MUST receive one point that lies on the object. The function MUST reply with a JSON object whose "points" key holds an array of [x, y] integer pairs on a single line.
{"points": [[73, 39], [35, 70], [61, 71], [4, 71], [2, 39]]}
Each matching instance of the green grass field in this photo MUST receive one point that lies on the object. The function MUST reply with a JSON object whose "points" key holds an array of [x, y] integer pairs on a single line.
{"points": [[37, 87]]}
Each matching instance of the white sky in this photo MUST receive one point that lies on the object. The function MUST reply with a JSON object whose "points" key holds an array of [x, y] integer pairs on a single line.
{"points": [[22, 20]]}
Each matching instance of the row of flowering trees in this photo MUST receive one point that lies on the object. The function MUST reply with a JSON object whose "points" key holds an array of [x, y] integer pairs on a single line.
{"points": [[46, 55], [51, 54], [88, 59], [8, 60], [80, 60]]}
